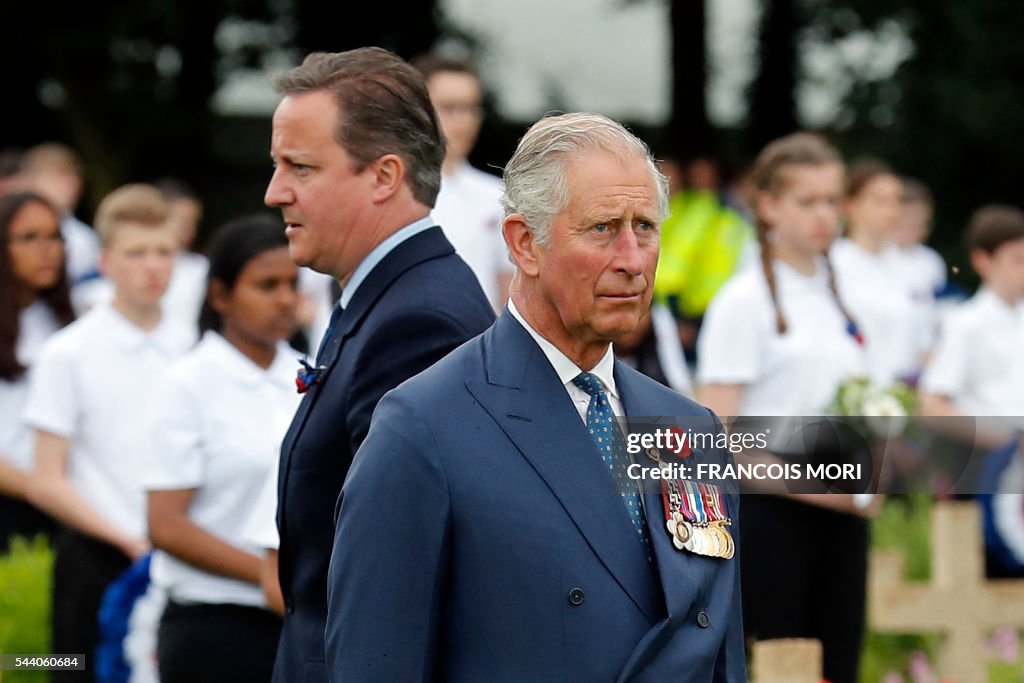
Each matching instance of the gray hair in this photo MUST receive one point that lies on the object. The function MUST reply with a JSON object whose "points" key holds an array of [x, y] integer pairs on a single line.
{"points": [[535, 177]]}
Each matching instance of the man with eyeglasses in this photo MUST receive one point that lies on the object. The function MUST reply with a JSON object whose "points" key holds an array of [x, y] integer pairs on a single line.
{"points": [[468, 206]]}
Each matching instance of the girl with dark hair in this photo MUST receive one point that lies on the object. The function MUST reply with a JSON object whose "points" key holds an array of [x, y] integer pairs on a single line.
{"points": [[219, 417], [34, 303], [778, 341], [899, 328]]}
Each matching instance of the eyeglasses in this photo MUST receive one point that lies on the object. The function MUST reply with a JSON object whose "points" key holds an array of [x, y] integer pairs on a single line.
{"points": [[461, 109], [35, 239]]}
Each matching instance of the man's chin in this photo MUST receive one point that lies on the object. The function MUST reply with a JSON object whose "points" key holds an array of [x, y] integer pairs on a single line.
{"points": [[299, 256]]}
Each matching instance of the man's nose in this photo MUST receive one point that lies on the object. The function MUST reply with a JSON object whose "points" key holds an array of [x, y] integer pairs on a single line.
{"points": [[630, 255], [277, 193]]}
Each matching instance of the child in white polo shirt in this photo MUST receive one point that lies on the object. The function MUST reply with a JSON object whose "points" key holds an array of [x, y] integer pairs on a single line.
{"points": [[972, 374], [87, 403], [219, 416], [968, 373], [896, 327], [778, 341]]}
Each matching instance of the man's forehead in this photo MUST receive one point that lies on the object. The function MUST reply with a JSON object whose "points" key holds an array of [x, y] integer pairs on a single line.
{"points": [[607, 181]]}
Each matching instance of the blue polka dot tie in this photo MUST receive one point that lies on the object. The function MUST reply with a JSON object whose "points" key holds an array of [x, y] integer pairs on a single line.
{"points": [[607, 436]]}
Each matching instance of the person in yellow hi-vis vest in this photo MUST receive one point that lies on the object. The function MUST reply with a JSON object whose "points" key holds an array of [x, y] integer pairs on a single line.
{"points": [[702, 243]]}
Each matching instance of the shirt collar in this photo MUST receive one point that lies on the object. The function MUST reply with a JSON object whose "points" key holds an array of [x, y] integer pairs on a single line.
{"points": [[789, 276], [564, 367], [281, 371], [377, 255], [129, 336]]}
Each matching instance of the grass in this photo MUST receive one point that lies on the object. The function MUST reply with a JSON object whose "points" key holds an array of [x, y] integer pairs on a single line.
{"points": [[25, 574]]}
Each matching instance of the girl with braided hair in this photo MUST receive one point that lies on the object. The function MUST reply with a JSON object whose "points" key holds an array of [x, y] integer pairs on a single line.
{"points": [[778, 341]]}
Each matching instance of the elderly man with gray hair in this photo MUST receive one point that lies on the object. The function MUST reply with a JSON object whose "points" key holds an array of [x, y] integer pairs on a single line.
{"points": [[492, 526]]}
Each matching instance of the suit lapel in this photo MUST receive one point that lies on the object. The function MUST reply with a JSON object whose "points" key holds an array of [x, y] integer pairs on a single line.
{"points": [[429, 244], [524, 396]]}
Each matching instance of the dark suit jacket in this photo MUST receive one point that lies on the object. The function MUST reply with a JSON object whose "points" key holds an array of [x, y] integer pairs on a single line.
{"points": [[479, 538], [420, 302]]}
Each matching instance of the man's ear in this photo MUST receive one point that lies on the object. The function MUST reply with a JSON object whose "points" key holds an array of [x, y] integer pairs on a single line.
{"points": [[388, 175], [521, 244]]}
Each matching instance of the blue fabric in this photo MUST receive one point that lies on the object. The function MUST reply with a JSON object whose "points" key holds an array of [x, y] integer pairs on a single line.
{"points": [[419, 302], [991, 473], [478, 539], [604, 430], [119, 599]]}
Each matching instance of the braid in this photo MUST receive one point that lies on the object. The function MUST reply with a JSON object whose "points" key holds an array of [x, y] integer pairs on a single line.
{"points": [[769, 272], [767, 175], [851, 324]]}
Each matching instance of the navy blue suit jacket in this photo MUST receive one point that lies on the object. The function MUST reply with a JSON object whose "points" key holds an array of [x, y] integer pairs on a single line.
{"points": [[420, 302], [479, 538]]}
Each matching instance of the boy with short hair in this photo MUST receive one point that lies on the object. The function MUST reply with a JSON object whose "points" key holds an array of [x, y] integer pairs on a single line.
{"points": [[86, 402], [968, 373]]}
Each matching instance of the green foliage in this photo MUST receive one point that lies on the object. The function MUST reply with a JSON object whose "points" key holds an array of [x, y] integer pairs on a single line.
{"points": [[25, 575]]}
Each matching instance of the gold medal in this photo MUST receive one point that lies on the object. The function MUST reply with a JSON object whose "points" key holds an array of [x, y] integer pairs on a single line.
{"points": [[728, 545], [716, 546]]}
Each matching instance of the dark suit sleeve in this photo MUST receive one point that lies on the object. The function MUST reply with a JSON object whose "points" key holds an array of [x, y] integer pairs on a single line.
{"points": [[389, 567], [401, 347]]}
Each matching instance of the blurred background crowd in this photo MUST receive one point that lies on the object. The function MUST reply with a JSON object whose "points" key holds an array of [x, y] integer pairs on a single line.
{"points": [[172, 100]]}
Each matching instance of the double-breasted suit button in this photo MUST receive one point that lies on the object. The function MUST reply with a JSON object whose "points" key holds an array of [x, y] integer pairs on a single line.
{"points": [[576, 597], [703, 620]]}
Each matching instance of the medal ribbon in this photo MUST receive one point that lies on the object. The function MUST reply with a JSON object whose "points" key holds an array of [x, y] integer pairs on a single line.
{"points": [[699, 511]]}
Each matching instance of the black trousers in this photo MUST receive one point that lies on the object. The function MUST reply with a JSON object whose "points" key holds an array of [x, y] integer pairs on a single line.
{"points": [[83, 568], [18, 518], [804, 575], [217, 643]]}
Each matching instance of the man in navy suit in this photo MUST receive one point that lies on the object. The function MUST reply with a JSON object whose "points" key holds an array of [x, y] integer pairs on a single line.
{"points": [[486, 531], [357, 153]]}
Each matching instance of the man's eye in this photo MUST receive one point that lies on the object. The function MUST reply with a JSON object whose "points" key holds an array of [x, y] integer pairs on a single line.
{"points": [[644, 226], [601, 227]]}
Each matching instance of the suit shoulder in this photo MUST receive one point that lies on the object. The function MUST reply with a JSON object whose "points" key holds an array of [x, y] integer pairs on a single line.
{"points": [[438, 385], [674, 402]]}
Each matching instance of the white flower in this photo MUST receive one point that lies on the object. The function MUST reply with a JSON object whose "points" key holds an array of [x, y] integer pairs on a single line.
{"points": [[884, 414]]}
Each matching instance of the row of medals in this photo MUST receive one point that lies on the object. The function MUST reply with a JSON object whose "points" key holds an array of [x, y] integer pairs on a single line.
{"points": [[710, 539]]}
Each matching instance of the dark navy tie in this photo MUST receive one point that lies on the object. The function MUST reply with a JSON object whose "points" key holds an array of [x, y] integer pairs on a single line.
{"points": [[607, 436], [335, 317]]}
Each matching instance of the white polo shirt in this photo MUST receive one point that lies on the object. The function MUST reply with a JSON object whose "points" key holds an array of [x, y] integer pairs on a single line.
{"points": [[793, 374], [186, 291], [919, 267], [36, 323], [261, 529], [218, 422], [979, 344], [468, 209], [81, 247], [897, 329], [91, 385]]}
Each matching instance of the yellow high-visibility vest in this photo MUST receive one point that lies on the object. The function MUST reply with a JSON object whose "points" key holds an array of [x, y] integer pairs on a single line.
{"points": [[701, 244]]}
